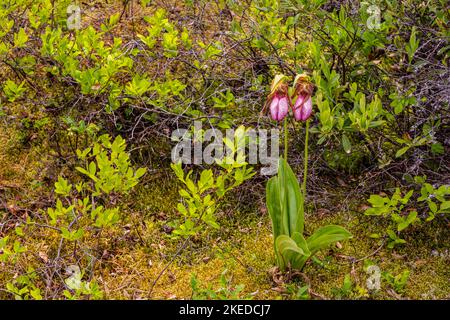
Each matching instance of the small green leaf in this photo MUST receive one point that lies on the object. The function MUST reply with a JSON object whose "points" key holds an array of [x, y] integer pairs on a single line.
{"points": [[445, 206], [433, 206], [437, 148], [401, 152], [20, 38], [346, 144], [140, 172], [62, 187]]}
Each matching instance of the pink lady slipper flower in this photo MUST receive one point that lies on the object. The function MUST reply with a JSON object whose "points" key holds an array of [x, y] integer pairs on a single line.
{"points": [[278, 99], [303, 104], [279, 107]]}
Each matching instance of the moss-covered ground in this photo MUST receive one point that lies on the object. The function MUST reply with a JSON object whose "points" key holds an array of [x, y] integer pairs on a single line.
{"points": [[143, 249]]}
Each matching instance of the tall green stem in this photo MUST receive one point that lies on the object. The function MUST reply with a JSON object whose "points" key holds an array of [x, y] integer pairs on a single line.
{"points": [[305, 167], [285, 139]]}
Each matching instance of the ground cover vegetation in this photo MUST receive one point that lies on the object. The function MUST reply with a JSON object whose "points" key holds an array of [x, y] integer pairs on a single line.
{"points": [[93, 207]]}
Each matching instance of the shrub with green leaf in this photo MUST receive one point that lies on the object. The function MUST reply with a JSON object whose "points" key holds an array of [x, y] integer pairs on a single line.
{"points": [[201, 198], [84, 209], [410, 208]]}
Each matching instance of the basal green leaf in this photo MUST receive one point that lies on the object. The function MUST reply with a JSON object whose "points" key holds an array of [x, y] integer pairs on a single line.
{"points": [[291, 255], [325, 236]]}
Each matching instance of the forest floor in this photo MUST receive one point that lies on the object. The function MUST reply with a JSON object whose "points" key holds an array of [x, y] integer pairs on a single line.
{"points": [[140, 259], [242, 247]]}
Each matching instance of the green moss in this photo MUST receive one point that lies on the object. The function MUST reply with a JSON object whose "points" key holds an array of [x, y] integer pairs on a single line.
{"points": [[244, 246]]}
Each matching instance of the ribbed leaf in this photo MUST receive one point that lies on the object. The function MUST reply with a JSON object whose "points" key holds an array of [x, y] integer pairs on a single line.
{"points": [[285, 206], [301, 242], [325, 236], [279, 221], [291, 197], [290, 253], [274, 206]]}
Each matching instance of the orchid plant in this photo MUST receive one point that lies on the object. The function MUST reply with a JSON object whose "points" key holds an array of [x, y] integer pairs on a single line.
{"points": [[284, 199]]}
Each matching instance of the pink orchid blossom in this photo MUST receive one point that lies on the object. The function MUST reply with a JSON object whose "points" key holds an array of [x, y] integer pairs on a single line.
{"points": [[303, 108], [279, 107]]}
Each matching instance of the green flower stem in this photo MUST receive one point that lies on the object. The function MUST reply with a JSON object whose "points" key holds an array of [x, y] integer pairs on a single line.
{"points": [[305, 168], [285, 139]]}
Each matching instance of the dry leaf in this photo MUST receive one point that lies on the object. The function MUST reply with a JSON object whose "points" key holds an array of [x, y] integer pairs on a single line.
{"points": [[43, 256]]}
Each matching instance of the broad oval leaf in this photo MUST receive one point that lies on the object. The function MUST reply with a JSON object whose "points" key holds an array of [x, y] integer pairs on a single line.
{"points": [[325, 236], [290, 253]]}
